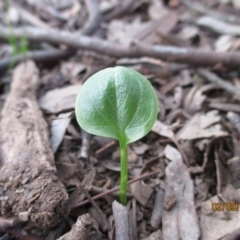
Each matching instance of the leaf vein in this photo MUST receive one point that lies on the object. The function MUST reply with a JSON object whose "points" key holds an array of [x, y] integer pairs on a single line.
{"points": [[136, 107], [95, 108]]}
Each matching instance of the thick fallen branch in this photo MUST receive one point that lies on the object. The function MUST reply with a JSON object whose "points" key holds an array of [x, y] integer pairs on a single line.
{"points": [[29, 185], [168, 53]]}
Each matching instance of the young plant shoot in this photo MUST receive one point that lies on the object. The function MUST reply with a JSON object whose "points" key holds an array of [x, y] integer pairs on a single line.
{"points": [[118, 103]]}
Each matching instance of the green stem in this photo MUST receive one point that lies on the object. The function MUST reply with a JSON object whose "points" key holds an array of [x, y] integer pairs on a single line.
{"points": [[124, 173]]}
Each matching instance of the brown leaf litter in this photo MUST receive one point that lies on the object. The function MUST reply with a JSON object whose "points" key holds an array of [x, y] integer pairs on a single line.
{"points": [[183, 176]]}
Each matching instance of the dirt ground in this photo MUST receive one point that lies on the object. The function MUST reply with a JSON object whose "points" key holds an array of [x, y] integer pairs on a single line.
{"points": [[59, 182]]}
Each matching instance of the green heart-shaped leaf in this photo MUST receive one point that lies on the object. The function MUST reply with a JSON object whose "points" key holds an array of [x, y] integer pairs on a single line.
{"points": [[118, 103]]}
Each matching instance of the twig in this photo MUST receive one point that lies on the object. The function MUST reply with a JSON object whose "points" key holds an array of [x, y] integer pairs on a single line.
{"points": [[101, 190], [123, 222], [94, 18], [119, 10], [104, 224], [210, 12], [30, 18], [106, 148], [37, 56], [53, 54], [89, 28], [84, 153], [157, 212], [6, 223], [234, 118], [219, 26], [147, 175], [219, 81], [175, 141], [21, 234], [5, 237], [168, 53]]}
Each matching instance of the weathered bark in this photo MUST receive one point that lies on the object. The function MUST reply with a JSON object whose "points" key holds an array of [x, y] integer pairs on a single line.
{"points": [[28, 180]]}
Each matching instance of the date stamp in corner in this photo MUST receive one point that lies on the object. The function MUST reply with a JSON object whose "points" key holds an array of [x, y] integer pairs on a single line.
{"points": [[225, 206]]}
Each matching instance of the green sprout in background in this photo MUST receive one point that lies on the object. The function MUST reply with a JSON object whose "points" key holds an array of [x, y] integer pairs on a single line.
{"points": [[118, 103], [16, 48]]}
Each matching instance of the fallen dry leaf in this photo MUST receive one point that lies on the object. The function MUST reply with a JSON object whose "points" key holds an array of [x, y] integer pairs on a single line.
{"points": [[234, 118], [230, 194], [81, 230], [224, 43], [141, 192], [157, 10], [157, 212], [177, 97], [105, 6], [219, 26], [234, 168], [65, 168], [194, 100], [209, 118], [78, 195], [236, 4], [174, 3], [180, 221], [170, 85], [58, 129], [155, 236], [216, 224], [71, 69], [202, 126], [60, 99], [123, 32], [225, 106], [162, 129], [172, 153], [188, 33], [141, 149]]}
